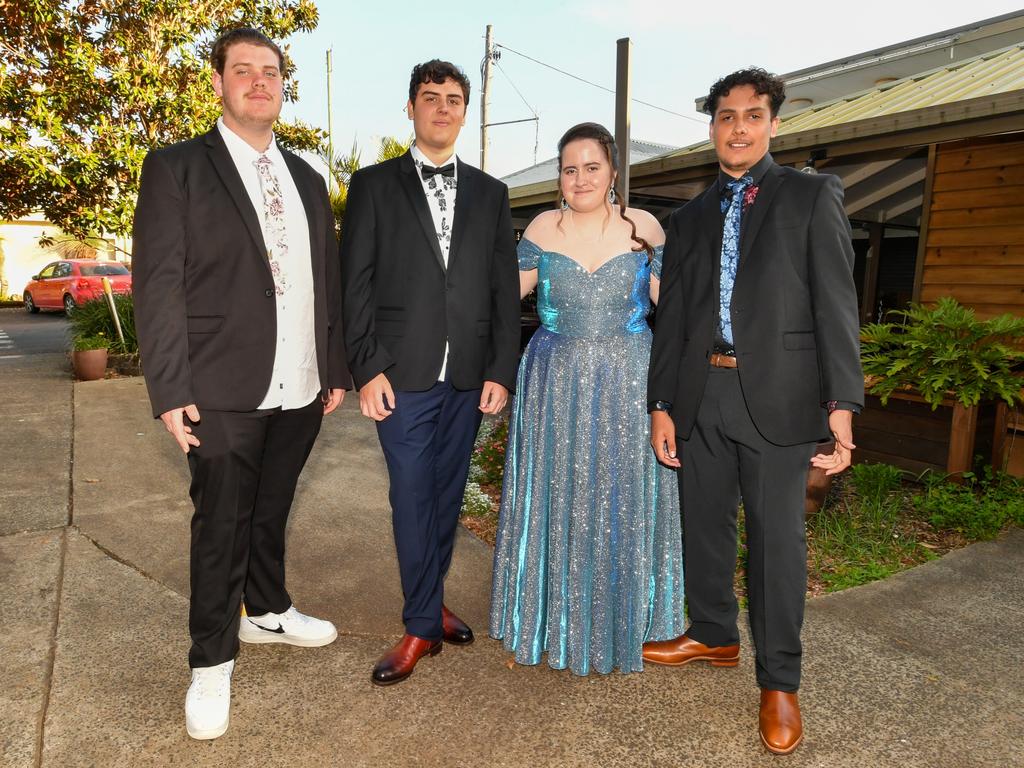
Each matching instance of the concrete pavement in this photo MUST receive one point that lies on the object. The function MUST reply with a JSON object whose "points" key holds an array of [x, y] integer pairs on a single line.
{"points": [[920, 670]]}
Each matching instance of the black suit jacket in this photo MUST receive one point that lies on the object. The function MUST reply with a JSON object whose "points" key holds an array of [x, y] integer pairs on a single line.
{"points": [[794, 307], [401, 303], [205, 310]]}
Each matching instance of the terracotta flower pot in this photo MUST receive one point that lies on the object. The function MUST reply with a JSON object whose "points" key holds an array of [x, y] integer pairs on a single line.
{"points": [[89, 364]]}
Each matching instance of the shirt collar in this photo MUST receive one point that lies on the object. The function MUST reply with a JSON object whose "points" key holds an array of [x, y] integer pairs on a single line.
{"points": [[421, 159], [242, 151], [756, 173]]}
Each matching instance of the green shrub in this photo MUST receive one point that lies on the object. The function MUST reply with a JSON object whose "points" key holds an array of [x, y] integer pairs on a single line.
{"points": [[489, 452], [979, 509], [93, 318], [85, 343], [475, 503]]}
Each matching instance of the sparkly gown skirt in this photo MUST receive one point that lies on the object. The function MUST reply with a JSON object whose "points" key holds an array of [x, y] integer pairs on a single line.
{"points": [[588, 559]]}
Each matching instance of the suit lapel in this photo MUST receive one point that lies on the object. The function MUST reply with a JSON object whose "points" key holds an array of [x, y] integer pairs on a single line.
{"points": [[769, 186], [463, 201], [413, 188], [225, 166], [711, 223], [313, 223]]}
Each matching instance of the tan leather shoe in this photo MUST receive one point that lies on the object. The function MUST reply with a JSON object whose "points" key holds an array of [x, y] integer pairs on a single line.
{"points": [[779, 722], [683, 650], [398, 663]]}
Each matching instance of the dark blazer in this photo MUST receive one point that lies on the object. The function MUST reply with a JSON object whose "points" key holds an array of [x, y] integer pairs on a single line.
{"points": [[204, 296], [794, 307], [400, 303]]}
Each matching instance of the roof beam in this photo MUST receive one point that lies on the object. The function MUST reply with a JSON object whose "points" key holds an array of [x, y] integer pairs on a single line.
{"points": [[900, 208], [897, 185]]}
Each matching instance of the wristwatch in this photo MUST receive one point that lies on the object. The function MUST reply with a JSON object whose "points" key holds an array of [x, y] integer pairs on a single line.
{"points": [[659, 405]]}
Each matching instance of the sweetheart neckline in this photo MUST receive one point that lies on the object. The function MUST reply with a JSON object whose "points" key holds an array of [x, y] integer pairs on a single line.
{"points": [[604, 264]]}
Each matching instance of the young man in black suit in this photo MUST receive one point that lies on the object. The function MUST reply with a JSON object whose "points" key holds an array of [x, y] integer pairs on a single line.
{"points": [[238, 308], [755, 358], [431, 311]]}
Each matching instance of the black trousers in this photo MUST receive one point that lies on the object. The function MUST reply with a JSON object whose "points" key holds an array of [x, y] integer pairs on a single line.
{"points": [[244, 475], [725, 458], [427, 442]]}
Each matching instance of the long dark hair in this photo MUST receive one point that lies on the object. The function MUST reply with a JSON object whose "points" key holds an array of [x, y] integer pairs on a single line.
{"points": [[600, 134]]}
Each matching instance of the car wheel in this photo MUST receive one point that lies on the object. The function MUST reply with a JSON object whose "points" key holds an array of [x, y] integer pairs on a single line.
{"points": [[30, 306], [69, 304]]}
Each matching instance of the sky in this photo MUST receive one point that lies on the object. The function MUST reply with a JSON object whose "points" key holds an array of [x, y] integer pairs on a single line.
{"points": [[678, 51]]}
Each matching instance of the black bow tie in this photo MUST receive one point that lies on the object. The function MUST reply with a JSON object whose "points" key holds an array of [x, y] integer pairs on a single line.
{"points": [[445, 170]]}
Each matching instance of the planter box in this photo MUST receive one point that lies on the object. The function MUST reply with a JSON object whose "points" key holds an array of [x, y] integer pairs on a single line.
{"points": [[910, 435]]}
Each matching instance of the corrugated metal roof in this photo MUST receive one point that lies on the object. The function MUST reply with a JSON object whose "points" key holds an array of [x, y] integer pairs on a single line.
{"points": [[985, 75], [638, 152]]}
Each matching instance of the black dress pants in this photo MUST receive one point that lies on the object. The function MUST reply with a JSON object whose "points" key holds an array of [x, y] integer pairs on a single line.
{"points": [[244, 475], [725, 458]]}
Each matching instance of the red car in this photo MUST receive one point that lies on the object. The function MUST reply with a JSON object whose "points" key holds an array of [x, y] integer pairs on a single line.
{"points": [[67, 283]]}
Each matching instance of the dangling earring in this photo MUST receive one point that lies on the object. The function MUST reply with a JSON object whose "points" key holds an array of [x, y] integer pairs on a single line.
{"points": [[564, 205], [611, 195]]}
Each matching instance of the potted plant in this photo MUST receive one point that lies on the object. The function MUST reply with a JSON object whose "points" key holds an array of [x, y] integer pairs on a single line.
{"points": [[89, 356], [940, 357]]}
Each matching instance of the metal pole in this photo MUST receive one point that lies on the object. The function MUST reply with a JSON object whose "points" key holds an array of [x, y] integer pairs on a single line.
{"points": [[108, 292], [330, 123], [624, 51], [485, 91]]}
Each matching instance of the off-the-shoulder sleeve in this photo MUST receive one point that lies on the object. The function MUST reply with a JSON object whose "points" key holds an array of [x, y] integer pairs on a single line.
{"points": [[659, 254], [529, 254]]}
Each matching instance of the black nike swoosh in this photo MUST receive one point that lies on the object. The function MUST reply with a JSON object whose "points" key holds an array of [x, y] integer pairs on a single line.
{"points": [[279, 630]]}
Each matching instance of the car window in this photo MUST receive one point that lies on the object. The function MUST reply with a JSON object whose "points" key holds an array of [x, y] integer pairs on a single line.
{"points": [[63, 270], [47, 271], [97, 270]]}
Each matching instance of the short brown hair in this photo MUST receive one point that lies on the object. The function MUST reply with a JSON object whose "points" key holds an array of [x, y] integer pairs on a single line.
{"points": [[219, 52], [764, 84], [437, 71]]}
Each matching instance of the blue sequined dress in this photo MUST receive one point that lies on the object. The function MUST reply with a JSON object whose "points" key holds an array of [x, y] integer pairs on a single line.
{"points": [[588, 561]]}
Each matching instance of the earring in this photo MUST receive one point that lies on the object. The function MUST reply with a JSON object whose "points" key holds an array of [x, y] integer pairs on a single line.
{"points": [[564, 205], [611, 195]]}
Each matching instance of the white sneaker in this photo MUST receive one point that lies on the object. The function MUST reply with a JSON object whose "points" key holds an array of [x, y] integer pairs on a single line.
{"points": [[208, 701], [289, 627]]}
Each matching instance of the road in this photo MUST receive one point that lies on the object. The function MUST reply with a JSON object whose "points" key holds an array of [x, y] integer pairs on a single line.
{"points": [[23, 334]]}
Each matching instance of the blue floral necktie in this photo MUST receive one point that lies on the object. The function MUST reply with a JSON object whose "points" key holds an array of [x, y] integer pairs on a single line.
{"points": [[732, 206]]}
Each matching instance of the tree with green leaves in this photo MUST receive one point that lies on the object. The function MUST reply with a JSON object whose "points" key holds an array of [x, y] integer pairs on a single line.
{"points": [[87, 87], [341, 168]]}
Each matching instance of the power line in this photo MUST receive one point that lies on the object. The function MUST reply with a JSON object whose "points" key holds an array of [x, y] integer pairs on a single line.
{"points": [[595, 85], [502, 70]]}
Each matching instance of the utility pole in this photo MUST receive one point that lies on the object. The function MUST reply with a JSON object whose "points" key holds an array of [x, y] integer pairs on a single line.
{"points": [[624, 51], [485, 92], [330, 126]]}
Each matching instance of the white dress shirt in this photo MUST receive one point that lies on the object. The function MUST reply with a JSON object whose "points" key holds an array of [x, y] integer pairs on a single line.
{"points": [[295, 381], [440, 192]]}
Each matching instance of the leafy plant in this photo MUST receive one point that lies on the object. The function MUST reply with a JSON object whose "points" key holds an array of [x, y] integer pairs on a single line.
{"points": [[93, 318], [87, 88], [945, 349], [979, 508], [475, 503], [86, 343], [489, 452], [341, 168]]}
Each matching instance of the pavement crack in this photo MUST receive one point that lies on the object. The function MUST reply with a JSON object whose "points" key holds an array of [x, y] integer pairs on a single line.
{"points": [[126, 563], [51, 658]]}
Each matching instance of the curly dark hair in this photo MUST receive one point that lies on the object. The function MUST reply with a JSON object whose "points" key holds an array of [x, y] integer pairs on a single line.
{"points": [[437, 71], [219, 51], [765, 84], [603, 137]]}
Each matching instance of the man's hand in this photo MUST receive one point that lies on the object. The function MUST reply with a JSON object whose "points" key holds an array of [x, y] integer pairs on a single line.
{"points": [[333, 399], [841, 425], [174, 420], [663, 438], [377, 398], [493, 397]]}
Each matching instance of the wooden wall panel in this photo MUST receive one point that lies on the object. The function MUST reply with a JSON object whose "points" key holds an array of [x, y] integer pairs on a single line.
{"points": [[974, 244]]}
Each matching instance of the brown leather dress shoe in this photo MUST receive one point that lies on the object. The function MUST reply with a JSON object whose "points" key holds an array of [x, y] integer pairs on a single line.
{"points": [[398, 663], [456, 631], [683, 650], [779, 722]]}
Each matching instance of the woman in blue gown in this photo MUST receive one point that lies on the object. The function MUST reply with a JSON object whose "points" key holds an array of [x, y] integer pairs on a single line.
{"points": [[588, 560]]}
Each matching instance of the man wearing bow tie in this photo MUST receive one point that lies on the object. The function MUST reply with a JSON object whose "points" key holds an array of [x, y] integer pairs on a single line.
{"points": [[431, 315], [755, 358]]}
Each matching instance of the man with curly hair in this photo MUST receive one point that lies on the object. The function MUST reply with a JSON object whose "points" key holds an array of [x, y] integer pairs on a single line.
{"points": [[755, 359]]}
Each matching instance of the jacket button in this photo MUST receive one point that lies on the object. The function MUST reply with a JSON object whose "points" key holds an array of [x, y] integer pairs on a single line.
{"points": [[269, 292]]}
